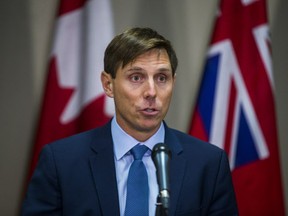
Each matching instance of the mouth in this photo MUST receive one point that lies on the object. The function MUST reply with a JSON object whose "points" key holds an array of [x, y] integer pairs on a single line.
{"points": [[150, 111]]}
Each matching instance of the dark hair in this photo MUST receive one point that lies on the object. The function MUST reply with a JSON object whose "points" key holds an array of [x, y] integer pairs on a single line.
{"points": [[127, 46]]}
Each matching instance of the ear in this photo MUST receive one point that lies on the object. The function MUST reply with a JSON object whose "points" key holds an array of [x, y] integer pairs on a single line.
{"points": [[174, 78], [107, 84]]}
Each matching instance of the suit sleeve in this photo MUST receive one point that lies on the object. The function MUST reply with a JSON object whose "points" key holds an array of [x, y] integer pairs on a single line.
{"points": [[43, 194], [224, 200]]}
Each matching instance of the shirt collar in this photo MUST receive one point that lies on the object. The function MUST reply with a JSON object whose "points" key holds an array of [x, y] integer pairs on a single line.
{"points": [[123, 142]]}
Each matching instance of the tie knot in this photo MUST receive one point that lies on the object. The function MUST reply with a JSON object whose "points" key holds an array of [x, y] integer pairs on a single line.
{"points": [[138, 151]]}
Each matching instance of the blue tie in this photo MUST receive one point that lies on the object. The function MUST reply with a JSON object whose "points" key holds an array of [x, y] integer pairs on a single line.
{"points": [[137, 185]]}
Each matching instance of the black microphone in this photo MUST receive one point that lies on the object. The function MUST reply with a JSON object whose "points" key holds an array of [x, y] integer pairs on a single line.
{"points": [[161, 155]]}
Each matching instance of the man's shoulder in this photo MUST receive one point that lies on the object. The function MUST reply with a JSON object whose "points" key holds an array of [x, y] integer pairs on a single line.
{"points": [[197, 151], [191, 142], [80, 140]]}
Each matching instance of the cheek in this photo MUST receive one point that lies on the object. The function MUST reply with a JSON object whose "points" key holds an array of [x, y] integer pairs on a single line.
{"points": [[166, 96], [124, 97]]}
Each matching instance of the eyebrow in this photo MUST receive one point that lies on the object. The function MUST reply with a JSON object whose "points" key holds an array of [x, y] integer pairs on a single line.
{"points": [[135, 68], [166, 70], [139, 69]]}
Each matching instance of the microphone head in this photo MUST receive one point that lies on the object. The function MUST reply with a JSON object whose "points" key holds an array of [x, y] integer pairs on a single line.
{"points": [[160, 147], [161, 155]]}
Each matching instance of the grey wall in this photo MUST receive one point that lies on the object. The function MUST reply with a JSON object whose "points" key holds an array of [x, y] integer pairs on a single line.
{"points": [[26, 36], [16, 96]]}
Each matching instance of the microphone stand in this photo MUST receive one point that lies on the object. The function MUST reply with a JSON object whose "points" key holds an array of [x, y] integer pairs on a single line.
{"points": [[160, 210]]}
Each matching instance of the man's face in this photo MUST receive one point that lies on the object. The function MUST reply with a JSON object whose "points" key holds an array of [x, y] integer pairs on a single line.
{"points": [[142, 91]]}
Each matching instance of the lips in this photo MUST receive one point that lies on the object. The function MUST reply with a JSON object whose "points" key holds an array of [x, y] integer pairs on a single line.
{"points": [[150, 111]]}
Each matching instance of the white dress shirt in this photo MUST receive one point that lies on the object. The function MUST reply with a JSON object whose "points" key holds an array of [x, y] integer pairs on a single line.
{"points": [[123, 159]]}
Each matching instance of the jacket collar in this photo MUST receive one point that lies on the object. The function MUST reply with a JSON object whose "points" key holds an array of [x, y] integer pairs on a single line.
{"points": [[177, 167], [103, 170]]}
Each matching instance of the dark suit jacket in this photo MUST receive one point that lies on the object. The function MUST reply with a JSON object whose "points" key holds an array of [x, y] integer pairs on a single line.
{"points": [[76, 176]]}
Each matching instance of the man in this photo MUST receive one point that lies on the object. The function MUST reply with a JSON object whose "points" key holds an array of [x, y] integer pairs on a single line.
{"points": [[88, 174]]}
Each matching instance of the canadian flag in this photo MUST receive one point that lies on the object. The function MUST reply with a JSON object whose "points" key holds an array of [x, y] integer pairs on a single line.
{"points": [[73, 99], [235, 106]]}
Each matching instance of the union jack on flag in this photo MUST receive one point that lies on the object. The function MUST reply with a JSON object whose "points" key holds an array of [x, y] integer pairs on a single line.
{"points": [[235, 106]]}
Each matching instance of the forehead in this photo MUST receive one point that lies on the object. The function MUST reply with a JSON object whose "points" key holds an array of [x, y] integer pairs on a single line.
{"points": [[154, 52], [152, 57]]}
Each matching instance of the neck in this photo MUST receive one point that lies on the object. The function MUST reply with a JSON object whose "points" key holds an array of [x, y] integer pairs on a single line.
{"points": [[140, 134]]}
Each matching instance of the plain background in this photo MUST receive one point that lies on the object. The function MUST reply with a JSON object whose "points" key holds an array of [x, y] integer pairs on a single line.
{"points": [[26, 35]]}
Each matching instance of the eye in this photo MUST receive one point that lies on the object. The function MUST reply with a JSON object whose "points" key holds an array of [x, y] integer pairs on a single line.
{"points": [[136, 78], [162, 78]]}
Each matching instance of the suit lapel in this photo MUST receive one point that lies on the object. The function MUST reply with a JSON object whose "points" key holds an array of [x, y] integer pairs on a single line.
{"points": [[103, 171], [177, 168]]}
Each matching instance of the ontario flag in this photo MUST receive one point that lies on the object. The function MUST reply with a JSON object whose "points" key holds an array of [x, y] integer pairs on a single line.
{"points": [[235, 106], [73, 99]]}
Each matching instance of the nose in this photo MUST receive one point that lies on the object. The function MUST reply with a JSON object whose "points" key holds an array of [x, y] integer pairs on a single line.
{"points": [[150, 89]]}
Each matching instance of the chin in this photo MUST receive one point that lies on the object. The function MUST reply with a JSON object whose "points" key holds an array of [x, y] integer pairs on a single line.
{"points": [[150, 126]]}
